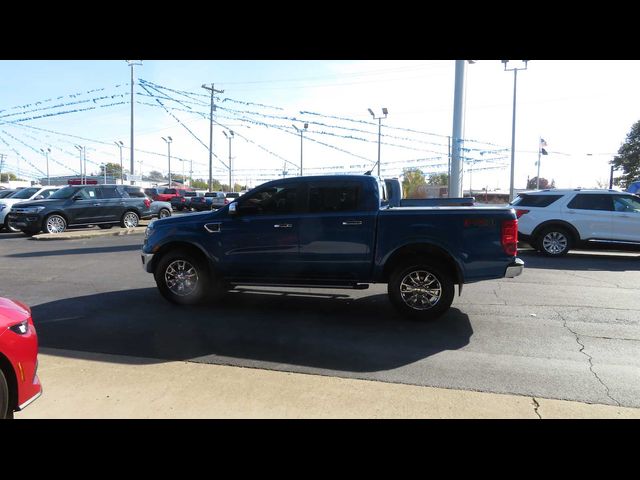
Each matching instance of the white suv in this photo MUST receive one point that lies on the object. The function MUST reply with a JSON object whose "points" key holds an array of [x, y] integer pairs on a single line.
{"points": [[23, 195], [554, 221]]}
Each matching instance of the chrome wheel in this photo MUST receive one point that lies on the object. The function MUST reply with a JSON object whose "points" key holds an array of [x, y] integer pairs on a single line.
{"points": [[420, 290], [164, 213], [555, 243], [56, 224], [181, 278], [130, 220]]}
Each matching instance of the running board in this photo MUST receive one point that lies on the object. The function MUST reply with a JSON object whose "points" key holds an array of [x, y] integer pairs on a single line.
{"points": [[355, 286]]}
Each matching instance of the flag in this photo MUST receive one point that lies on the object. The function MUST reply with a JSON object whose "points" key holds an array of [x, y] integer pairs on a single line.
{"points": [[542, 145]]}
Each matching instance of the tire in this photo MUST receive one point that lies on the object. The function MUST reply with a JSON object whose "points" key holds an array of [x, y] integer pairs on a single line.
{"points": [[424, 305], [193, 286], [130, 219], [105, 227], [7, 227], [164, 213], [554, 241], [54, 223], [6, 411]]}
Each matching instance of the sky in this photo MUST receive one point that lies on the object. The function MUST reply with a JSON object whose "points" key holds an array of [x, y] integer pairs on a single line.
{"points": [[582, 109]]}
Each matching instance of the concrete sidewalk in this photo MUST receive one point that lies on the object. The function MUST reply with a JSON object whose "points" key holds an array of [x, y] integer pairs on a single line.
{"points": [[90, 385], [89, 233]]}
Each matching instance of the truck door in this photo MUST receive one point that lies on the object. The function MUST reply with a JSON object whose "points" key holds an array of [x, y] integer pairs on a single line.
{"points": [[261, 239], [337, 231]]}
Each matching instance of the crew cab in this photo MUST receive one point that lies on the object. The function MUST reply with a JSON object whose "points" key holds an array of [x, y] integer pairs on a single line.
{"points": [[332, 232], [169, 193]]}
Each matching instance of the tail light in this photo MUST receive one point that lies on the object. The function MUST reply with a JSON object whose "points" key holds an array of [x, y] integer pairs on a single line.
{"points": [[182, 199], [509, 237], [147, 203], [520, 212], [226, 201]]}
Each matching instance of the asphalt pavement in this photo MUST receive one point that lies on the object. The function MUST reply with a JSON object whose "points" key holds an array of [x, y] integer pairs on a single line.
{"points": [[562, 340]]}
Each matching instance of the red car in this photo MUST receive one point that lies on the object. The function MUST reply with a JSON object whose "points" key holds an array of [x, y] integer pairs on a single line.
{"points": [[19, 384]]}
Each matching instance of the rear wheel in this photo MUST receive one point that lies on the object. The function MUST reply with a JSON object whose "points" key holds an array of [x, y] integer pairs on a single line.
{"points": [[55, 224], [164, 213], [421, 291], [554, 241], [129, 220]]}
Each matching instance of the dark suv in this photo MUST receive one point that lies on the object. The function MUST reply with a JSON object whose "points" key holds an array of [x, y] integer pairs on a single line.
{"points": [[80, 205]]}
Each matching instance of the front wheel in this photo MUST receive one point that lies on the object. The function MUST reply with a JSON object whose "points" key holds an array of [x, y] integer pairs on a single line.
{"points": [[130, 220], [55, 224], [182, 278], [421, 291], [8, 227], [5, 408]]}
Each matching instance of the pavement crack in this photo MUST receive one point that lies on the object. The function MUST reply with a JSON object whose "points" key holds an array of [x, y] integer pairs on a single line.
{"points": [[536, 406], [590, 359]]}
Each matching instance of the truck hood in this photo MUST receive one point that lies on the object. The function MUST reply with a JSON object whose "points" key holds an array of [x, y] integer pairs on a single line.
{"points": [[184, 219], [34, 203]]}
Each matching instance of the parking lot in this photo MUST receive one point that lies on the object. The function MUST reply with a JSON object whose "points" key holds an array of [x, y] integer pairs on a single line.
{"points": [[567, 329]]}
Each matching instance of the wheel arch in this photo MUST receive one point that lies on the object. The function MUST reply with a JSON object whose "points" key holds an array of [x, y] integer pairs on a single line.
{"points": [[192, 248], [557, 223], [424, 250], [12, 381]]}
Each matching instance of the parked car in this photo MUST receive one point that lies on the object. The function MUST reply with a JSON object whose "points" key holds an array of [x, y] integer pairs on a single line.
{"points": [[7, 192], [169, 193], [158, 209], [555, 221], [634, 187], [22, 195], [80, 205], [19, 382], [218, 199], [201, 203], [153, 193], [332, 232], [182, 201]]}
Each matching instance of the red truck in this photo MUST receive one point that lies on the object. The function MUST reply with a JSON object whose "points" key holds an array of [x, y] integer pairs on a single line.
{"points": [[169, 193]]}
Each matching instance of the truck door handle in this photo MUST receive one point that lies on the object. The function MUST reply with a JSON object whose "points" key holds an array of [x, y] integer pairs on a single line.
{"points": [[96, 204], [282, 225], [352, 222]]}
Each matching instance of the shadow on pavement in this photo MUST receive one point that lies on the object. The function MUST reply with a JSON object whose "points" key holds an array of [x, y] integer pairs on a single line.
{"points": [[583, 260], [77, 251], [250, 327]]}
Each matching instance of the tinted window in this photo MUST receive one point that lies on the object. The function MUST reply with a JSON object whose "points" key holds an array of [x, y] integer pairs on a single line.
{"points": [[333, 198], [535, 200], [233, 195], [135, 192], [65, 192], [586, 201], [626, 203], [109, 192], [47, 193], [190, 194], [87, 193], [275, 200], [6, 193], [171, 191], [25, 193]]}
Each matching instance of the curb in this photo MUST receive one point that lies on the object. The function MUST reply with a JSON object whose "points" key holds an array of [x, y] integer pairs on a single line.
{"points": [[80, 235]]}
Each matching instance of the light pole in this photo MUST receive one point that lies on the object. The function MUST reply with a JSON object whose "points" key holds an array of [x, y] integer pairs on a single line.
{"points": [[132, 63], [46, 153], [169, 140], [385, 112], [120, 145], [513, 126], [213, 107], [80, 150], [104, 168], [301, 131], [230, 136]]}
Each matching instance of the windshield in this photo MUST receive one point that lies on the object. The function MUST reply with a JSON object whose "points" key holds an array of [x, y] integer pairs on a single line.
{"points": [[25, 193], [6, 193], [66, 192]]}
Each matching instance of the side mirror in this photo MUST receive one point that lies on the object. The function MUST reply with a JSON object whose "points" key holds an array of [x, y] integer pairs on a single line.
{"points": [[233, 208], [77, 197]]}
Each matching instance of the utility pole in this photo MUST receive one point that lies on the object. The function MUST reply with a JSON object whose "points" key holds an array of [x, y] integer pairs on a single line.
{"points": [[169, 140], [513, 125], [46, 153], [385, 112], [80, 148], [213, 107], [191, 172], [301, 131], [132, 63], [120, 145], [230, 136], [2, 157], [458, 121]]}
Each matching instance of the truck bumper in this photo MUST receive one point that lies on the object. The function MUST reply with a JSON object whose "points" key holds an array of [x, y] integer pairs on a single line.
{"points": [[515, 268]]}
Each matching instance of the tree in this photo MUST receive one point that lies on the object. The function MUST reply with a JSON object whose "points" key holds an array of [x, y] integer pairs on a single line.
{"points": [[438, 179], [112, 169], [544, 183], [413, 178], [9, 177], [628, 158], [156, 176]]}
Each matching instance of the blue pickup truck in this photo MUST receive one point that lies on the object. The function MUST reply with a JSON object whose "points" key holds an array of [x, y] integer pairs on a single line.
{"points": [[332, 232]]}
